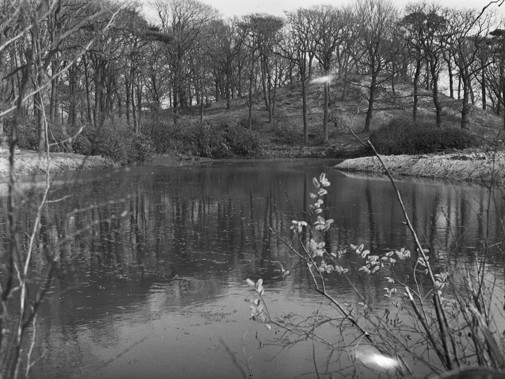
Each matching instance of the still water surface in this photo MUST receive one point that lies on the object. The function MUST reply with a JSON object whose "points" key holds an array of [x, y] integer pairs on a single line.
{"points": [[153, 285]]}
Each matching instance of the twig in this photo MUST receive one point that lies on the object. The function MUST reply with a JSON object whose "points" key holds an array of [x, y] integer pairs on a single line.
{"points": [[310, 265], [436, 296]]}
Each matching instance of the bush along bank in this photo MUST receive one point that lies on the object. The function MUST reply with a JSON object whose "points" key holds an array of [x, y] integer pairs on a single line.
{"points": [[403, 136], [114, 140], [219, 137], [422, 150]]}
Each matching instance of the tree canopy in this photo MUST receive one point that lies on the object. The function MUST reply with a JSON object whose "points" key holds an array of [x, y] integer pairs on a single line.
{"points": [[78, 67]]}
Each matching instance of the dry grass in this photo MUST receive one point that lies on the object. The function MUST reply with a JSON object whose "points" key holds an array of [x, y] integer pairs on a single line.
{"points": [[32, 163], [477, 167]]}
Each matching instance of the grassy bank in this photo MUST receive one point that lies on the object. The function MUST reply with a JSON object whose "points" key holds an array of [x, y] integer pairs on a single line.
{"points": [[31, 163], [224, 133], [480, 167]]}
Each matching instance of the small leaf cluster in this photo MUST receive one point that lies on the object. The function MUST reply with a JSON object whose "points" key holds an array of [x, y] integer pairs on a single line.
{"points": [[316, 247], [258, 309], [374, 263]]}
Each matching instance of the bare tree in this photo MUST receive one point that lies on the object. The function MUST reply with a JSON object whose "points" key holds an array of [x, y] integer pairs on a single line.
{"points": [[298, 45], [412, 27], [226, 44], [375, 27], [469, 34], [184, 21], [24, 56], [434, 44], [329, 35], [495, 71], [261, 34]]}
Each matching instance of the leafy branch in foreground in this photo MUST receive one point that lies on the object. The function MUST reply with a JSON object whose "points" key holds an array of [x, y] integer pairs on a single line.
{"points": [[437, 317]]}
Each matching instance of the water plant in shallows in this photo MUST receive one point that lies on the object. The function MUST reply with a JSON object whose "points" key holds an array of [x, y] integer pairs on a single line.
{"points": [[435, 319]]}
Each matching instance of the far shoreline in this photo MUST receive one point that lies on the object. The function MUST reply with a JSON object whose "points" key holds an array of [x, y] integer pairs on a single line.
{"points": [[476, 167]]}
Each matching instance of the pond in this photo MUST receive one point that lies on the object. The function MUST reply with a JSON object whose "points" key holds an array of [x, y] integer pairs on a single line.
{"points": [[154, 262]]}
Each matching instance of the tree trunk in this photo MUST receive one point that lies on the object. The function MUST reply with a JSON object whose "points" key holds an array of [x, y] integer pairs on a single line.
{"points": [[53, 100], [128, 101], [344, 87], [417, 74], [466, 106], [436, 99], [503, 98], [304, 112], [251, 79], [483, 89], [41, 125], [451, 78], [371, 100], [139, 108], [72, 105], [88, 91], [459, 87], [228, 87], [201, 101], [428, 76], [270, 95], [176, 92], [134, 107], [239, 83], [274, 95], [155, 92], [393, 89], [325, 111], [264, 85]]}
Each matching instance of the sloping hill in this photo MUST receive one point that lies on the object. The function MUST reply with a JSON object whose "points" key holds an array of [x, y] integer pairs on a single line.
{"points": [[283, 136]]}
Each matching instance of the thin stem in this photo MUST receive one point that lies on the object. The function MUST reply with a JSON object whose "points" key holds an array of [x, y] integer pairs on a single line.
{"points": [[436, 296]]}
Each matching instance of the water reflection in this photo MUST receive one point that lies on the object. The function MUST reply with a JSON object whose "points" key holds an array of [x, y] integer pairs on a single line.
{"points": [[153, 262]]}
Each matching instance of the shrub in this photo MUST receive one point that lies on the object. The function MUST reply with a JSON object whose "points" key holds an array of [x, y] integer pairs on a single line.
{"points": [[142, 149], [242, 141], [58, 139], [218, 137], [82, 145], [109, 143], [119, 143], [287, 131], [454, 138], [163, 135], [401, 136], [255, 121], [28, 136], [208, 141], [225, 120]]}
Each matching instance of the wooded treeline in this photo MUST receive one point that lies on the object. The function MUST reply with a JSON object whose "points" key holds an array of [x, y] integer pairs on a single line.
{"points": [[76, 63]]}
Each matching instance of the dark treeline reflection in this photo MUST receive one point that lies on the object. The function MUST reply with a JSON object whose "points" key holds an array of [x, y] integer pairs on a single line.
{"points": [[132, 244], [214, 221], [452, 220]]}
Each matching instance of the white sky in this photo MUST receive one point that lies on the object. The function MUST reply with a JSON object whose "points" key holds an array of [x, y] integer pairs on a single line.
{"points": [[239, 8], [277, 7]]}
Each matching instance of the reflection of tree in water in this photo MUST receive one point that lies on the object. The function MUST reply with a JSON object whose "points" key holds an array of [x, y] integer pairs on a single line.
{"points": [[210, 220], [448, 218], [138, 243]]}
